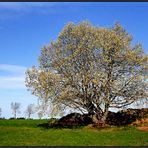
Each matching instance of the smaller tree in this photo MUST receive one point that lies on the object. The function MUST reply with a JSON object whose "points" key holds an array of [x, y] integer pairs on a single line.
{"points": [[30, 110], [15, 108], [40, 114], [0, 112]]}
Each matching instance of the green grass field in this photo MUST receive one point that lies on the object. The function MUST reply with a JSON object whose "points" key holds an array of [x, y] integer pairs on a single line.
{"points": [[27, 133]]}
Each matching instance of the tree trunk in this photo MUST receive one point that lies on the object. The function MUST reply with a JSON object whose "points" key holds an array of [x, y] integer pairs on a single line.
{"points": [[100, 119], [105, 113], [29, 116], [15, 114], [95, 119], [104, 116]]}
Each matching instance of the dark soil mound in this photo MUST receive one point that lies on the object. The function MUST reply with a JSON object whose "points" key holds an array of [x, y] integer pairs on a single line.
{"points": [[126, 117], [121, 118], [74, 119]]}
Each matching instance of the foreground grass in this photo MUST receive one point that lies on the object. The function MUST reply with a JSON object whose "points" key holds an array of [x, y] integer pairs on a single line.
{"points": [[26, 133]]}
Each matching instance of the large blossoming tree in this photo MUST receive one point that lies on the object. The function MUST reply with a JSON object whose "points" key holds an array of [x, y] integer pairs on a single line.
{"points": [[91, 69]]}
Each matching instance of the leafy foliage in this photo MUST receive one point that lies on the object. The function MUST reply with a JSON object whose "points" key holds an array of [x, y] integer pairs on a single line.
{"points": [[90, 69]]}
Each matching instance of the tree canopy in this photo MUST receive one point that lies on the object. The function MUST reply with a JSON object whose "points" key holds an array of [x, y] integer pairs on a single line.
{"points": [[90, 69]]}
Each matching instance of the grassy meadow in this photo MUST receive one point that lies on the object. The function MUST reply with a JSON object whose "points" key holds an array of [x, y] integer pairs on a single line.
{"points": [[28, 133]]}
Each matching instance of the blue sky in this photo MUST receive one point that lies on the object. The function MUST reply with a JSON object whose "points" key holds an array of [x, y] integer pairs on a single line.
{"points": [[27, 26]]}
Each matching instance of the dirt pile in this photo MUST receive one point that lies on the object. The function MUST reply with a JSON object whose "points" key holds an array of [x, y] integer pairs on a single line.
{"points": [[75, 119], [124, 117]]}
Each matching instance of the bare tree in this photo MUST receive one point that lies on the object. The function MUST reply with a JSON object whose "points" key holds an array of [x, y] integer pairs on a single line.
{"points": [[15, 108], [0, 112], [30, 110], [40, 114]]}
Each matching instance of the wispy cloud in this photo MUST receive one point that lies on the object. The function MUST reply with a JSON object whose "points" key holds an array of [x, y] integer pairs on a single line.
{"points": [[20, 5], [12, 68], [11, 10], [12, 76], [40, 7], [27, 6], [12, 82]]}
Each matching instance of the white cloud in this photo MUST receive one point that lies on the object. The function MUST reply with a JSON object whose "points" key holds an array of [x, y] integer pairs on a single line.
{"points": [[38, 6], [13, 78], [12, 68], [12, 82], [13, 10], [25, 6]]}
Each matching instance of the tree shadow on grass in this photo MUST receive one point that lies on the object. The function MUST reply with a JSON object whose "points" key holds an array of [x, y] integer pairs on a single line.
{"points": [[58, 126]]}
